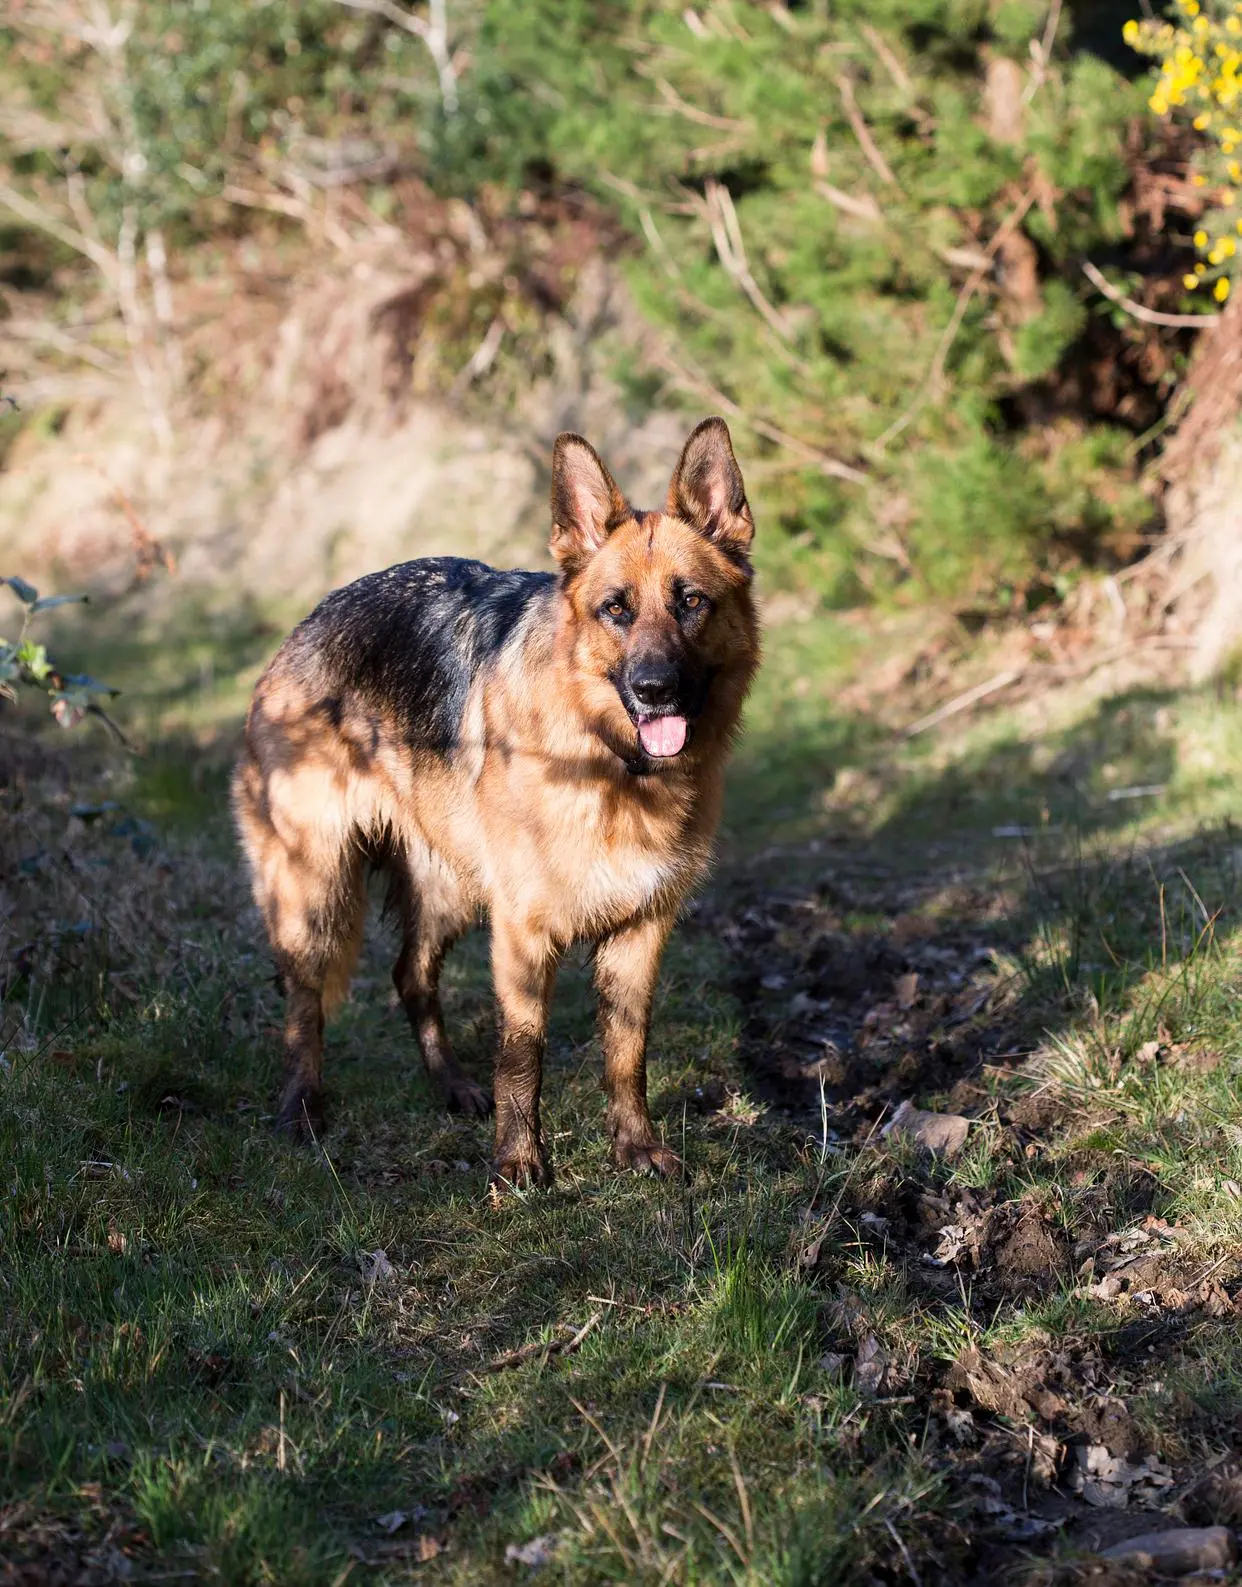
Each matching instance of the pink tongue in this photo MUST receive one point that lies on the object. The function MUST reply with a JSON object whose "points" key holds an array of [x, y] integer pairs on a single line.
{"points": [[663, 735]]}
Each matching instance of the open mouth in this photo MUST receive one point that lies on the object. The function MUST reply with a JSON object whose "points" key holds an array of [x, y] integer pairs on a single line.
{"points": [[662, 737]]}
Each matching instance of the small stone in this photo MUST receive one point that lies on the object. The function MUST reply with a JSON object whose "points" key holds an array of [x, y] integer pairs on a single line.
{"points": [[935, 1132], [538, 1551], [1180, 1551]]}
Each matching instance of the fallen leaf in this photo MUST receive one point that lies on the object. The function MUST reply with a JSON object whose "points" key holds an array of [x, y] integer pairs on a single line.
{"points": [[870, 1366], [1110, 1482], [906, 989], [954, 1239]]}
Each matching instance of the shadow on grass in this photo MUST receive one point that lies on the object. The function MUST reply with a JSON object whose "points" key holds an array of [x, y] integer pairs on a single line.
{"points": [[1023, 884]]}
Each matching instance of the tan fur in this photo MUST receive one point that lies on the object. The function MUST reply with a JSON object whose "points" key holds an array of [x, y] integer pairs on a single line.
{"points": [[533, 819]]}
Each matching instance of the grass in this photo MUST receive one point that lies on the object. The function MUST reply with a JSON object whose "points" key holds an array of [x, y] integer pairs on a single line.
{"points": [[208, 1372]]}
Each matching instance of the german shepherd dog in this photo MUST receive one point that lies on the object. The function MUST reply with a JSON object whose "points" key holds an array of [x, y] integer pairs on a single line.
{"points": [[547, 747]]}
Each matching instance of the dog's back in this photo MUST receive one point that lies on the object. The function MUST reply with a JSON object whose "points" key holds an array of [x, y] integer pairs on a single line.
{"points": [[409, 643]]}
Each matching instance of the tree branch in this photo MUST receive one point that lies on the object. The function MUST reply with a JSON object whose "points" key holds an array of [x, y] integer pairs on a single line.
{"points": [[1189, 322]]}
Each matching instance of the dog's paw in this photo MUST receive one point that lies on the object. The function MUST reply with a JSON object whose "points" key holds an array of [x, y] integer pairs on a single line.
{"points": [[519, 1171], [646, 1155], [463, 1096], [301, 1113]]}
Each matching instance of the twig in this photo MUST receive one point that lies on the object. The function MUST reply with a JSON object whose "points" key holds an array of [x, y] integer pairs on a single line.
{"points": [[1041, 53], [699, 382], [35, 215], [905, 1552], [1191, 322], [936, 373], [674, 104], [298, 207], [862, 132], [864, 208], [731, 250], [531, 1352], [484, 355], [275, 203], [433, 32], [963, 702], [52, 336], [895, 69], [658, 246]]}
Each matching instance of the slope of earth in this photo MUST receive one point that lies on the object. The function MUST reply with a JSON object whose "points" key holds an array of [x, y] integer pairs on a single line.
{"points": [[825, 1356]]}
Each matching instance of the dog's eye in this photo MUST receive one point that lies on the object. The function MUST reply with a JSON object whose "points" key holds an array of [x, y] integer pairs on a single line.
{"points": [[693, 601], [615, 609]]}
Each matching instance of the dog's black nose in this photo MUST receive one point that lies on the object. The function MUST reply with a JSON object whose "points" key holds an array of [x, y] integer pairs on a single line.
{"points": [[654, 682]]}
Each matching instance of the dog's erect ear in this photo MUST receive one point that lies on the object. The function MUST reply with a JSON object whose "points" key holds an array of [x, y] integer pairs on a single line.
{"points": [[586, 504], [708, 492]]}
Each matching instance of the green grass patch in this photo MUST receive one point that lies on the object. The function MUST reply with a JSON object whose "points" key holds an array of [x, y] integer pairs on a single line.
{"points": [[761, 1374]]}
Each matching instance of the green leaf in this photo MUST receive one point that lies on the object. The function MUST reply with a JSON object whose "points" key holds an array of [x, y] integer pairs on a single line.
{"points": [[24, 592], [34, 659], [45, 603]]}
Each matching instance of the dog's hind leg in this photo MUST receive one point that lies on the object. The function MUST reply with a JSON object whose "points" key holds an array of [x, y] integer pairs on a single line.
{"points": [[432, 918], [316, 949], [310, 887]]}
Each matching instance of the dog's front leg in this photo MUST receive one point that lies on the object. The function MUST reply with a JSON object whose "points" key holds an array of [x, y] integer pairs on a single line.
{"points": [[626, 966], [523, 968]]}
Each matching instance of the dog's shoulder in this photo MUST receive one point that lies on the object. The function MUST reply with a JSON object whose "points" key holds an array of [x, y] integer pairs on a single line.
{"points": [[410, 640]]}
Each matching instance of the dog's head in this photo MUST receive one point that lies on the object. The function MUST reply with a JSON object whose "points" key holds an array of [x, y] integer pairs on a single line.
{"points": [[661, 622]]}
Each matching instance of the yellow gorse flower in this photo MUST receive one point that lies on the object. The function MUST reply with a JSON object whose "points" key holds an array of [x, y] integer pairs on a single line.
{"points": [[1199, 53]]}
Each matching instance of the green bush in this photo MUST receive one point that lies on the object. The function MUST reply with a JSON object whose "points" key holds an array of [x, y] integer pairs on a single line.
{"points": [[819, 201], [832, 340]]}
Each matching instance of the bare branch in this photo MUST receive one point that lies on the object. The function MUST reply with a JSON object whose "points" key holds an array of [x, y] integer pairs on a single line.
{"points": [[676, 105], [694, 380], [864, 208], [727, 236], [895, 69], [1191, 322], [433, 32], [43, 219], [50, 335], [659, 246], [862, 132], [1041, 53]]}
